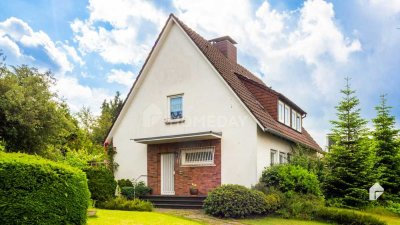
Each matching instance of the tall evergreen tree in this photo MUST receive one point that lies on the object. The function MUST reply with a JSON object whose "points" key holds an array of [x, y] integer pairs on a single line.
{"points": [[350, 161], [387, 150]]}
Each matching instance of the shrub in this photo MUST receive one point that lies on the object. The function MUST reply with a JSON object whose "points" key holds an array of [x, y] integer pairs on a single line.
{"points": [[345, 217], [121, 203], [273, 202], [138, 190], [125, 183], [291, 178], [101, 183], [393, 207], [234, 201], [38, 191], [301, 206]]}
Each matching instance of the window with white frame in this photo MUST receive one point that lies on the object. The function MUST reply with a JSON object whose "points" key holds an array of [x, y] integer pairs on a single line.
{"points": [[281, 115], [287, 115], [273, 157], [199, 156], [282, 157], [294, 115], [298, 122], [175, 107], [289, 157]]}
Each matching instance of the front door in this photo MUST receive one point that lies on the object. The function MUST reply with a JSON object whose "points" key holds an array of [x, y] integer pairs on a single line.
{"points": [[167, 174]]}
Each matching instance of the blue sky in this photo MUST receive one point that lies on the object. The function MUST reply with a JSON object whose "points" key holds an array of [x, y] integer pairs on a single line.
{"points": [[303, 49]]}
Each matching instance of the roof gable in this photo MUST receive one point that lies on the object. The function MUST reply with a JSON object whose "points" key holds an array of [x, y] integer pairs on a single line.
{"points": [[230, 71]]}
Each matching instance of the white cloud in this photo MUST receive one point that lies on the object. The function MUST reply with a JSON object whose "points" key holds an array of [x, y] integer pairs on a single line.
{"points": [[15, 34], [386, 6], [119, 43], [121, 77], [78, 95], [73, 54]]}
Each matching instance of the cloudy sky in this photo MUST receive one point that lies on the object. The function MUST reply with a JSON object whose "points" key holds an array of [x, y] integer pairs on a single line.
{"points": [[303, 49]]}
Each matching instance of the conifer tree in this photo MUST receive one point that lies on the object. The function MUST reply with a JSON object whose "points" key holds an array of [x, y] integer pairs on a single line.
{"points": [[350, 161], [387, 150]]}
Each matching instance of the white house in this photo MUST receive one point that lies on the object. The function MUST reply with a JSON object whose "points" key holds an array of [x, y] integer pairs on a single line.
{"points": [[194, 115]]}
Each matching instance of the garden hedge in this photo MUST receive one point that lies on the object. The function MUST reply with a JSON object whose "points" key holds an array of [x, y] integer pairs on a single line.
{"points": [[38, 191], [101, 183]]}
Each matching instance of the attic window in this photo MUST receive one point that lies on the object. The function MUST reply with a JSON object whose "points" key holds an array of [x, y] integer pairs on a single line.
{"points": [[281, 115], [200, 156], [289, 116]]}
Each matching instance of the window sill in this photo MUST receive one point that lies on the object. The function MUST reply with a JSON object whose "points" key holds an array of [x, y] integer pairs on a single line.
{"points": [[173, 121], [199, 165]]}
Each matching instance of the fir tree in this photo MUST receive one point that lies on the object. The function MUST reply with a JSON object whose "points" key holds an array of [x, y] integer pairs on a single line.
{"points": [[350, 161], [387, 150]]}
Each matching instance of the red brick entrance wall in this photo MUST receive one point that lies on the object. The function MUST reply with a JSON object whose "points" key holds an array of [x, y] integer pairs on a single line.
{"points": [[206, 177]]}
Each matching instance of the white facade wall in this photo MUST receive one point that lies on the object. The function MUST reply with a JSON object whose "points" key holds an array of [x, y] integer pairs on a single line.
{"points": [[266, 142], [208, 105]]}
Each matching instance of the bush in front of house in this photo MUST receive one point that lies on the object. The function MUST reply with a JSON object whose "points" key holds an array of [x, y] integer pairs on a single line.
{"points": [[234, 201], [121, 203], [38, 191], [300, 206], [273, 201], [291, 178], [124, 183], [138, 190], [101, 183]]}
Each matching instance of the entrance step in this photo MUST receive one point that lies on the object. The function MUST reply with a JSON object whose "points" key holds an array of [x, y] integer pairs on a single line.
{"points": [[175, 202]]}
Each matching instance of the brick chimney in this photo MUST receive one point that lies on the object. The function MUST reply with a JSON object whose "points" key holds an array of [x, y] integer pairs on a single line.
{"points": [[226, 45]]}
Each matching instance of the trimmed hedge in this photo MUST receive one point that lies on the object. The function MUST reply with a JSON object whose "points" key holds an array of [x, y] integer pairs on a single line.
{"points": [[291, 178], [344, 217], [120, 203], [235, 201], [101, 183], [38, 191]]}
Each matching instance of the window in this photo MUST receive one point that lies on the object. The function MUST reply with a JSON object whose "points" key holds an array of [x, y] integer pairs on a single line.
{"points": [[200, 156], [272, 157], [294, 115], [298, 122], [289, 157], [175, 107], [281, 116], [287, 115], [282, 158]]}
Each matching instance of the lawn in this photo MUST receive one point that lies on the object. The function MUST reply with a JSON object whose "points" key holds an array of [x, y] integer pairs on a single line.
{"points": [[280, 221], [116, 217], [192, 217]]}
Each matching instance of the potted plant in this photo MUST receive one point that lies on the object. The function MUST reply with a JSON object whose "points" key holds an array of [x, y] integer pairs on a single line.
{"points": [[92, 208], [193, 189]]}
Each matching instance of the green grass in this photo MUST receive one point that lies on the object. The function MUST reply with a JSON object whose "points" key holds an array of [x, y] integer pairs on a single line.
{"points": [[384, 215], [280, 221], [116, 217]]}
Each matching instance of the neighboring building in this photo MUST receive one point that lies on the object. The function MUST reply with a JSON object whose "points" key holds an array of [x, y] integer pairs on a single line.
{"points": [[194, 115]]}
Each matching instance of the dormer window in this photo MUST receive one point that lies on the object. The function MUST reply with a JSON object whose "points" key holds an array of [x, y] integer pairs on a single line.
{"points": [[289, 116], [281, 115], [176, 107]]}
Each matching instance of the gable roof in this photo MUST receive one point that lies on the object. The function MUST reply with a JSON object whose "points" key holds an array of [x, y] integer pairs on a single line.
{"points": [[230, 72]]}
